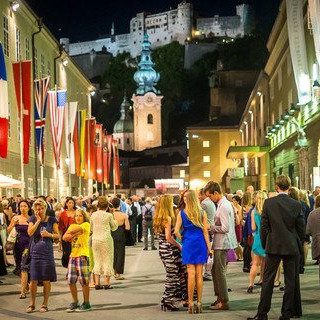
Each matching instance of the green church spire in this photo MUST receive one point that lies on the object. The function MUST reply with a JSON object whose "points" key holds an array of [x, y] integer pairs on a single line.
{"points": [[146, 77]]}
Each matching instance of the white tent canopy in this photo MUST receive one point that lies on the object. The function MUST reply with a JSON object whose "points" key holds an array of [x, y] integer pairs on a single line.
{"points": [[7, 182]]}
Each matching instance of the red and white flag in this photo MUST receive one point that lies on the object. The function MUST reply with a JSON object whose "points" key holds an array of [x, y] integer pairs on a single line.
{"points": [[90, 155], [57, 103], [116, 163], [4, 111], [98, 147], [69, 123], [22, 84]]}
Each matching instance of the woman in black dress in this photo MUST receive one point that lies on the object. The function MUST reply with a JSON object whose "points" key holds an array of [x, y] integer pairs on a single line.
{"points": [[119, 239], [3, 269]]}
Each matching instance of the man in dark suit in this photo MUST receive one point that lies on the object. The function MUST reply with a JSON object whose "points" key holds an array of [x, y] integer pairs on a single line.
{"points": [[282, 229]]}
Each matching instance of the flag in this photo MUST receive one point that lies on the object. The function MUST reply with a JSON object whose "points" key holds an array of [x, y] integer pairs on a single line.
{"points": [[98, 147], [105, 153], [109, 154], [4, 110], [41, 88], [116, 163], [69, 122], [76, 142], [22, 84], [89, 153], [82, 131], [57, 103]]}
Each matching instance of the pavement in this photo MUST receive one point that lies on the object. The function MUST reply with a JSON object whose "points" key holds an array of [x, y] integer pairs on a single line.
{"points": [[138, 296]]}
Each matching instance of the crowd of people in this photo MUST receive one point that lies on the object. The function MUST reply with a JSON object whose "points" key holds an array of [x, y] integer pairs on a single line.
{"points": [[198, 233]]}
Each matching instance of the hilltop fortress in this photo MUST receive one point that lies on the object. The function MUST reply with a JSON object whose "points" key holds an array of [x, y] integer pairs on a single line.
{"points": [[166, 27]]}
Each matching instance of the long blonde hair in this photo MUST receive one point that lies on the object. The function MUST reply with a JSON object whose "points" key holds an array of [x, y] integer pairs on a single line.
{"points": [[193, 208], [260, 199], [164, 210]]}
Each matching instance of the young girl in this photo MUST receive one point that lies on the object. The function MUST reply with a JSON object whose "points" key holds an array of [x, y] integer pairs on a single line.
{"points": [[78, 267]]}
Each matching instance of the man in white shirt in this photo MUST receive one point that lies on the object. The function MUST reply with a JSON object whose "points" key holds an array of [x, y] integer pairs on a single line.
{"points": [[224, 238], [135, 201]]}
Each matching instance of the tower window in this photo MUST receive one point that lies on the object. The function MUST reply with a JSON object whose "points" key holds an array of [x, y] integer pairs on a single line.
{"points": [[128, 141], [150, 119]]}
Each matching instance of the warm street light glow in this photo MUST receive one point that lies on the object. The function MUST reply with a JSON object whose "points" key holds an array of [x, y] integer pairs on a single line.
{"points": [[259, 93], [92, 93], [245, 123], [65, 62], [14, 5]]}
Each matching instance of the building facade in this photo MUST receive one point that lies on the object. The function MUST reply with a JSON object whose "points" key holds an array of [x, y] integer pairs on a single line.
{"points": [[208, 146], [24, 37], [293, 115], [166, 27]]}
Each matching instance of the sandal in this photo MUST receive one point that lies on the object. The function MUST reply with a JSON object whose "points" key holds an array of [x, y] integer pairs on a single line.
{"points": [[43, 309], [107, 286], [30, 309], [22, 296]]}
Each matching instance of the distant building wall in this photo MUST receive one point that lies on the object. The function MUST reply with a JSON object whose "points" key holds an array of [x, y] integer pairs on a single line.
{"points": [[194, 52], [165, 27]]}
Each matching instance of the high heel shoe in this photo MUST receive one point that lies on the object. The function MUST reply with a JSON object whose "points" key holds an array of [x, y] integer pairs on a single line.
{"points": [[250, 289], [168, 306], [199, 307], [191, 307]]}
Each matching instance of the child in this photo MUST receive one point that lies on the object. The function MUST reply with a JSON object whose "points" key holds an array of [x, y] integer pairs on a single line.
{"points": [[78, 267]]}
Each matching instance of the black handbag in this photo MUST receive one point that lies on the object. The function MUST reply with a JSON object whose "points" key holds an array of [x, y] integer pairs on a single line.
{"points": [[66, 251], [129, 238]]}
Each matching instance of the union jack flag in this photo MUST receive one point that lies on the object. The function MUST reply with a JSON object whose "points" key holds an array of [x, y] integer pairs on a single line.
{"points": [[57, 103], [41, 87]]}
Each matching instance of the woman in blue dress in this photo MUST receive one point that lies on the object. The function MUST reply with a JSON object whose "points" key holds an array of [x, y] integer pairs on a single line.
{"points": [[42, 229], [195, 245], [258, 259]]}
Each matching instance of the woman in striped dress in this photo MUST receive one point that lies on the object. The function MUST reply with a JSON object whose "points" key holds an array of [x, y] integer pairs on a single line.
{"points": [[175, 288]]}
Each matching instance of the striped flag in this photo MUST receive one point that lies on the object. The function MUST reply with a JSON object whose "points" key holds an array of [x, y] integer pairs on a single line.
{"points": [[22, 84], [4, 111], [98, 147], [69, 123], [116, 162], [82, 138], [41, 87], [57, 103]]}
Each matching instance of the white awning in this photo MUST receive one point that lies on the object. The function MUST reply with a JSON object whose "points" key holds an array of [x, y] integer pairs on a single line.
{"points": [[7, 182]]}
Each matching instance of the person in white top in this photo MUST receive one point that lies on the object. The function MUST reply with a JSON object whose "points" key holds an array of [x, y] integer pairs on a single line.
{"points": [[101, 225]]}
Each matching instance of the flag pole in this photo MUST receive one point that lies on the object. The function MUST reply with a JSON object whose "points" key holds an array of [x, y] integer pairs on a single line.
{"points": [[21, 133], [69, 141], [57, 170], [41, 182], [42, 162]]}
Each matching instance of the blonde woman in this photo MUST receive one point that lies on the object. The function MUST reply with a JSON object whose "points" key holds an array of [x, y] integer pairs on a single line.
{"points": [[195, 245], [175, 287], [78, 266], [259, 253]]}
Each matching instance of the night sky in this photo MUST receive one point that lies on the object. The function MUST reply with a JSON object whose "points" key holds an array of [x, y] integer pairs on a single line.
{"points": [[82, 20]]}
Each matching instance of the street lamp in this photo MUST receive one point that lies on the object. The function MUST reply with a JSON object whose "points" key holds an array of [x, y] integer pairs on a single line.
{"points": [[14, 5]]}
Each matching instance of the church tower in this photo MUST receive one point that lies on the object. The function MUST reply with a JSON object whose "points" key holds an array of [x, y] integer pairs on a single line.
{"points": [[123, 128], [146, 102]]}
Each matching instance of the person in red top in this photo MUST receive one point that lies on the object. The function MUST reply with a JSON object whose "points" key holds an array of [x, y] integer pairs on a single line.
{"points": [[66, 219]]}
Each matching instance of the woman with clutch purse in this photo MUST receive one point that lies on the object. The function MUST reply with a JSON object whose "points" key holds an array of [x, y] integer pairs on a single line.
{"points": [[20, 223], [44, 230], [175, 287]]}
